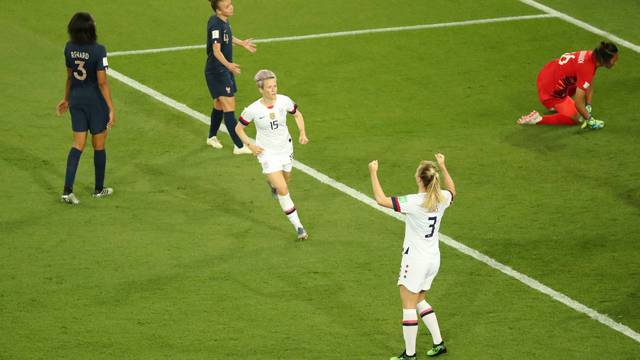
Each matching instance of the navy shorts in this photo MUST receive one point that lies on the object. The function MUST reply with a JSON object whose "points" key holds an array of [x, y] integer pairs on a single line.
{"points": [[89, 117], [221, 83]]}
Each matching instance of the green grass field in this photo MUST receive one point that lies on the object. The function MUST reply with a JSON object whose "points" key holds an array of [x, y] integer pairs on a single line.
{"points": [[192, 259]]}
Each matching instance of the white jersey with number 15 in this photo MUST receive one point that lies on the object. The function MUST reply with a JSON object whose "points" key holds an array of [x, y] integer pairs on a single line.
{"points": [[272, 133]]}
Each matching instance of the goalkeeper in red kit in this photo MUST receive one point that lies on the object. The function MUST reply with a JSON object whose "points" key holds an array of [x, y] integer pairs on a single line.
{"points": [[565, 87]]}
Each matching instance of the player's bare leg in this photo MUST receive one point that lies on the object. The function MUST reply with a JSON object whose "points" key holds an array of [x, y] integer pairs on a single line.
{"points": [[274, 192], [278, 181], [409, 323], [79, 140]]}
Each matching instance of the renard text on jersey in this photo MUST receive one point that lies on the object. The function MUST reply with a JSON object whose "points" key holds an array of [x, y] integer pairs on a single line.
{"points": [[79, 55]]}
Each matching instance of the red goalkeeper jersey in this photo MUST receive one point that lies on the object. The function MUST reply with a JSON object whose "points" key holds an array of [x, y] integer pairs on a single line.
{"points": [[560, 77]]}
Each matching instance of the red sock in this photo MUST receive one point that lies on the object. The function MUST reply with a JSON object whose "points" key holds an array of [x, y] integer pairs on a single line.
{"points": [[556, 119]]}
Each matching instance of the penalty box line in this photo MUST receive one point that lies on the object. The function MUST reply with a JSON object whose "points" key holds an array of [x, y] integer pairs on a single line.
{"points": [[345, 33], [532, 283]]}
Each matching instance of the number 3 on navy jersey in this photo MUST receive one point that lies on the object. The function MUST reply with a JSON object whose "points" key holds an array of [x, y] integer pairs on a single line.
{"points": [[432, 226], [81, 72]]}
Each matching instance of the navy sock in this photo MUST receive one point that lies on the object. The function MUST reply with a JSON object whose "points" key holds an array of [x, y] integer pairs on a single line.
{"points": [[72, 166], [216, 120], [230, 123], [100, 163]]}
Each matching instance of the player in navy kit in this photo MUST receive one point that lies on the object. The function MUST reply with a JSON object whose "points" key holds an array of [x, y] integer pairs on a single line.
{"points": [[220, 71], [88, 99]]}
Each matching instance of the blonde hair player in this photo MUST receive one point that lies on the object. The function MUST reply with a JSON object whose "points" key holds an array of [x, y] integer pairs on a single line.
{"points": [[420, 252], [273, 146]]}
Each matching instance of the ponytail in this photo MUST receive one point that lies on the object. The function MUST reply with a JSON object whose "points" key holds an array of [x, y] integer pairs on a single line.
{"points": [[428, 174], [605, 52]]}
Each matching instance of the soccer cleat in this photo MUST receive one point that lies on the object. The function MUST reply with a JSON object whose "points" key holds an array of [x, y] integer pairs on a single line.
{"points": [[214, 142], [243, 150], [437, 350], [404, 356], [302, 235], [530, 119], [104, 193], [70, 199], [592, 124]]}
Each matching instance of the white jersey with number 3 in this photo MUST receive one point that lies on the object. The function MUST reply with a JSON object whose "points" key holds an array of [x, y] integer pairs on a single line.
{"points": [[272, 133], [421, 225]]}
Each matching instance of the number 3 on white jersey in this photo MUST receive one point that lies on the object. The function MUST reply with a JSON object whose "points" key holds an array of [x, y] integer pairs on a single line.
{"points": [[432, 226], [565, 58]]}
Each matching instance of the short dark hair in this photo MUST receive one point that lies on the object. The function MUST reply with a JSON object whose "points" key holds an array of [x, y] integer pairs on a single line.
{"points": [[82, 29], [215, 3], [605, 52]]}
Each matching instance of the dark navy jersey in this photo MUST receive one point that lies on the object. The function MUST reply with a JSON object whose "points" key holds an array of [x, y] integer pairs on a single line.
{"points": [[85, 61], [218, 32]]}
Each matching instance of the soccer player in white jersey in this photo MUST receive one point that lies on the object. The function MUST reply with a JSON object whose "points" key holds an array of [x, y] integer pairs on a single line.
{"points": [[420, 252], [273, 146]]}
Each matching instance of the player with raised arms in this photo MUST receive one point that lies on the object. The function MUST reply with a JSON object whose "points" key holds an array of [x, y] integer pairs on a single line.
{"points": [[565, 85], [273, 146], [420, 250], [88, 99], [219, 73]]}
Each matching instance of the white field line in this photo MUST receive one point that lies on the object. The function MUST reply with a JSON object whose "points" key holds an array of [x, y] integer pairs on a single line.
{"points": [[347, 33], [582, 24], [604, 319]]}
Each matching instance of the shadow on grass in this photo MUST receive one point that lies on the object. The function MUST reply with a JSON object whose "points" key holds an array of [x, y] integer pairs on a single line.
{"points": [[546, 138]]}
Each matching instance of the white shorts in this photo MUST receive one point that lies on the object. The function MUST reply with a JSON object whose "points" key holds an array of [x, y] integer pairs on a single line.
{"points": [[417, 272], [275, 162]]}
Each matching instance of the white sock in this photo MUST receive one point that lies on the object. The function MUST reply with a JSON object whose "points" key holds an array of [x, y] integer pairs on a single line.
{"points": [[290, 210], [429, 318], [409, 330]]}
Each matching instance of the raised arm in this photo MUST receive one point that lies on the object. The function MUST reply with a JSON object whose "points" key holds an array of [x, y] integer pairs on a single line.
{"points": [[378, 193], [446, 178], [300, 122], [106, 93]]}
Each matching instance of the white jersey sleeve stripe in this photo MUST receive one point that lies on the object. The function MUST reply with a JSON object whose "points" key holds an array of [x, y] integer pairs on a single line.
{"points": [[396, 204], [243, 121], [450, 201]]}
